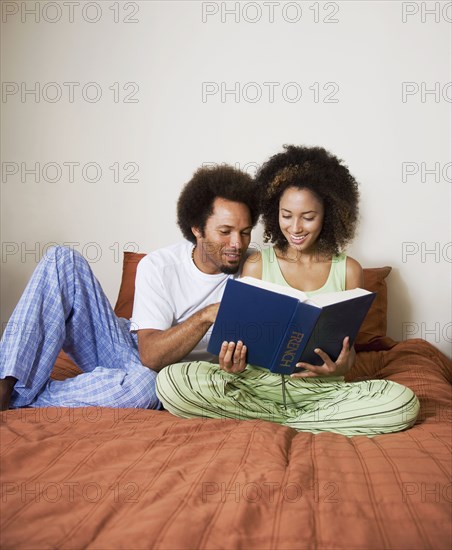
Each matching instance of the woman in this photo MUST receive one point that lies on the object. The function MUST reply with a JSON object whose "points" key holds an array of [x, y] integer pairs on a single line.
{"points": [[309, 203], [309, 209]]}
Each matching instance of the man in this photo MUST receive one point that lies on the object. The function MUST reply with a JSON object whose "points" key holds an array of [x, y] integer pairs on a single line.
{"points": [[176, 301]]}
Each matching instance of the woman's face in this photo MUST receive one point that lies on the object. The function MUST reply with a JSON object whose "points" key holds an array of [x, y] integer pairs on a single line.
{"points": [[300, 218]]}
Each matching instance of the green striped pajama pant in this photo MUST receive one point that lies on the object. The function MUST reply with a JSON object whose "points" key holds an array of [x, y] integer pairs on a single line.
{"points": [[200, 389]]}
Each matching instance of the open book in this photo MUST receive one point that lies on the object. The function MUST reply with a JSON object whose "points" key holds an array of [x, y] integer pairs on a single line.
{"points": [[281, 326]]}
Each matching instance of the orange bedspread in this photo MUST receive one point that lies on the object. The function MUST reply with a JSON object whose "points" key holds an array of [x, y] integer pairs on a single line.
{"points": [[104, 478]]}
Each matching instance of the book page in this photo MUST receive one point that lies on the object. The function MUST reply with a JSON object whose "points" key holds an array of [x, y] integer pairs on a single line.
{"points": [[280, 289], [335, 297]]}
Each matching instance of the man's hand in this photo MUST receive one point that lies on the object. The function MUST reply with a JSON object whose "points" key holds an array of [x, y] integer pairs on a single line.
{"points": [[210, 312], [232, 357], [342, 365], [159, 348]]}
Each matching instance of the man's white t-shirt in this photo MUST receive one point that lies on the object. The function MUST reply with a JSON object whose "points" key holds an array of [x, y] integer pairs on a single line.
{"points": [[169, 289]]}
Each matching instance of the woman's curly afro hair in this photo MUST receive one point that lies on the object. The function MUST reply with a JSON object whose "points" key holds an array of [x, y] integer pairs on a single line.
{"points": [[327, 177], [195, 203]]}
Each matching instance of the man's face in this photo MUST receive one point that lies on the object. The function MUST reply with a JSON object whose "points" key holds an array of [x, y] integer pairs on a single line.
{"points": [[222, 245]]}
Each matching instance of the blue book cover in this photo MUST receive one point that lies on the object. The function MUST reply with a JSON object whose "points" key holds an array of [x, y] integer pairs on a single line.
{"points": [[281, 326]]}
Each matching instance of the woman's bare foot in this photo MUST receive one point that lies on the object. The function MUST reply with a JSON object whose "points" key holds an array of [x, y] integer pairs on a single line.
{"points": [[6, 389]]}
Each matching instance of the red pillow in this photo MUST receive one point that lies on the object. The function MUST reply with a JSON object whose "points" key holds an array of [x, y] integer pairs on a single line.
{"points": [[124, 303], [372, 336]]}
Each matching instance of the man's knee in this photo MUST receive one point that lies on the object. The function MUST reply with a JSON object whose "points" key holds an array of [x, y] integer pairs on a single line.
{"points": [[59, 256]]}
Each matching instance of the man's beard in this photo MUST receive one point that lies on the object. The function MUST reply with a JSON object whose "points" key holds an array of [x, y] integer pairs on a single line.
{"points": [[229, 269]]}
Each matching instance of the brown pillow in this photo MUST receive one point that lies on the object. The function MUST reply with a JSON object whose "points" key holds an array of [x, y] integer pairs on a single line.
{"points": [[372, 336], [124, 303]]}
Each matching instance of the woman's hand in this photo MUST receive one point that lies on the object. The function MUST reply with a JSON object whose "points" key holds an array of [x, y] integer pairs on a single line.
{"points": [[232, 357], [342, 365]]}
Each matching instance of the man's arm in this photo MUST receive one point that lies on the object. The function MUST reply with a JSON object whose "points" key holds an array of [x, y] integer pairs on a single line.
{"points": [[159, 348]]}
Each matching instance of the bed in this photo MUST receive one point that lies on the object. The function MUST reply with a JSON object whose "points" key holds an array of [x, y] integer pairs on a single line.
{"points": [[138, 479]]}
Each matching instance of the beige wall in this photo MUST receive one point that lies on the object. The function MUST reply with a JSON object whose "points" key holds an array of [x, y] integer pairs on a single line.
{"points": [[169, 113]]}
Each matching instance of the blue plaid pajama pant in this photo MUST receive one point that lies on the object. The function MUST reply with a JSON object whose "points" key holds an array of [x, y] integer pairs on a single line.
{"points": [[64, 306]]}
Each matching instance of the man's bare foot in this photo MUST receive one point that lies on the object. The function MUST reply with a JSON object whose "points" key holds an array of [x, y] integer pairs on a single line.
{"points": [[6, 389]]}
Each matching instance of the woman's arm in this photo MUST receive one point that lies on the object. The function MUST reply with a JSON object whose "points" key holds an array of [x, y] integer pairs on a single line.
{"points": [[353, 274], [253, 266]]}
